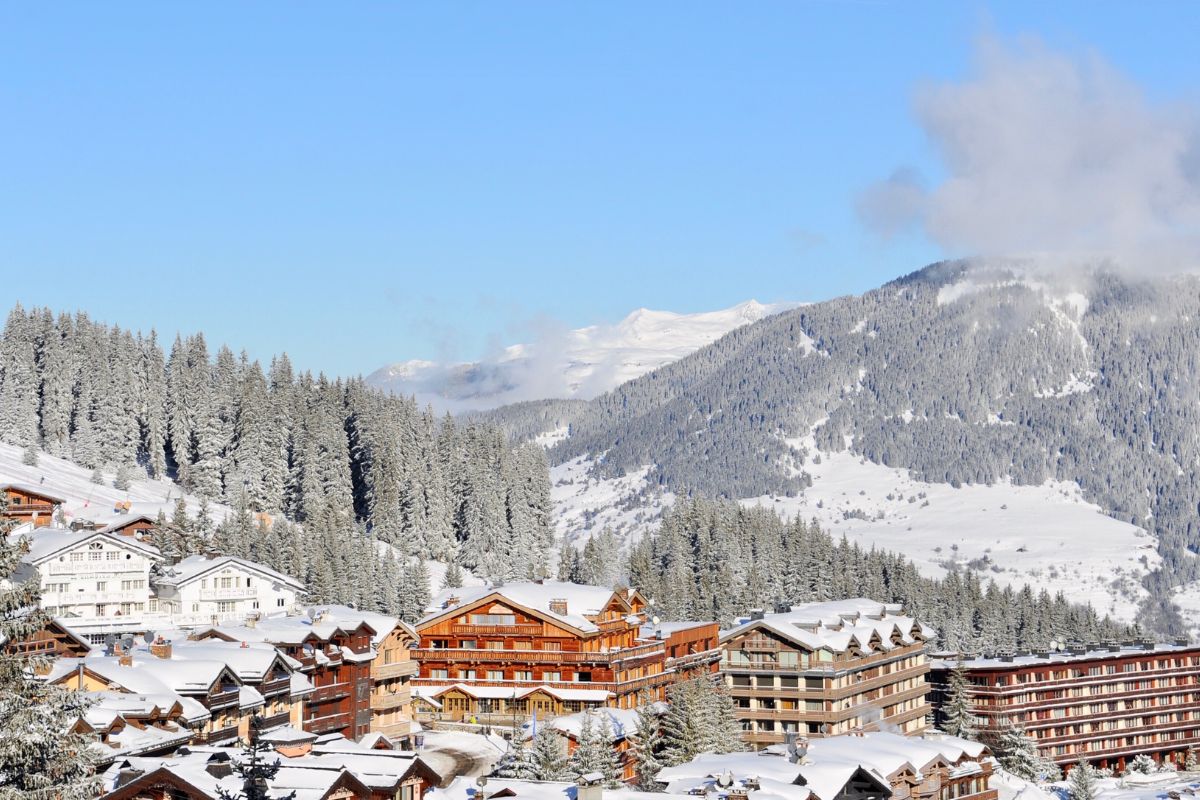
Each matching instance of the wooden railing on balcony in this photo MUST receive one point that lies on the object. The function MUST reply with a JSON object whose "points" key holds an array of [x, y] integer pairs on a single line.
{"points": [[326, 724], [279, 686], [220, 734], [276, 720], [327, 694], [496, 630]]}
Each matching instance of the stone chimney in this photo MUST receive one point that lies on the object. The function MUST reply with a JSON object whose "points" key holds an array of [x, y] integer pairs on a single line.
{"points": [[559, 606], [757, 614], [590, 787], [160, 648], [123, 658]]}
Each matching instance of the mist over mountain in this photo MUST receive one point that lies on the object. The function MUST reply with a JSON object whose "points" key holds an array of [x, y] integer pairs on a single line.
{"points": [[560, 363]]}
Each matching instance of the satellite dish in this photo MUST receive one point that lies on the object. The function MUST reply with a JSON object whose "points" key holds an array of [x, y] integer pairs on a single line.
{"points": [[312, 613], [654, 620], [481, 781], [127, 644], [149, 636], [1054, 645], [725, 779], [110, 642]]}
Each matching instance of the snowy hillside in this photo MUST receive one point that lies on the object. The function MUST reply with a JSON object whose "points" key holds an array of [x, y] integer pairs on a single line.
{"points": [[579, 363], [1015, 535], [87, 500]]}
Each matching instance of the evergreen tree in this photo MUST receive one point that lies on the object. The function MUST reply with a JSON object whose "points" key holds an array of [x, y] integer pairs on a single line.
{"points": [[548, 754], [40, 759], [959, 721], [255, 771], [1084, 782], [518, 761], [1191, 763], [1019, 755], [30, 457], [1142, 764], [594, 751], [453, 578], [645, 742]]}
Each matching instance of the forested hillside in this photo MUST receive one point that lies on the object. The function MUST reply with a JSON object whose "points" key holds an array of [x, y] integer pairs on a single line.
{"points": [[352, 465], [959, 373], [718, 560]]}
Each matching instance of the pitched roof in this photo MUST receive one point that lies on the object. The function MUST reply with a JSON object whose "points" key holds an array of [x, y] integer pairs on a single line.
{"points": [[25, 488], [581, 601], [44, 543], [194, 567], [838, 624]]}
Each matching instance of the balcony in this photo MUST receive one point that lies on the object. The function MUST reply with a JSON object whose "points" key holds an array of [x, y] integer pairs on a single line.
{"points": [[222, 698], [387, 700], [477, 656], [329, 723], [29, 509], [496, 630], [242, 593], [218, 735], [399, 669], [279, 686], [330, 693], [275, 720]]}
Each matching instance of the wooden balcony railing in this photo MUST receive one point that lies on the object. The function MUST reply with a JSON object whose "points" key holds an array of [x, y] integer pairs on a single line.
{"points": [[496, 630]]}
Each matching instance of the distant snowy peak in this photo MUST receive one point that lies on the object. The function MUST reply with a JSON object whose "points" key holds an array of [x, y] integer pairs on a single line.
{"points": [[582, 363]]}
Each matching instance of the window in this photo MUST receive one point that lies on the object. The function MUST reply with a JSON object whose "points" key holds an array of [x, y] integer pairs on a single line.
{"points": [[195, 608], [518, 645], [583, 677], [495, 674], [468, 674], [438, 673], [77, 556], [552, 646], [101, 586], [99, 609], [226, 606], [112, 555], [279, 602], [467, 644], [94, 555], [497, 645], [552, 676], [493, 619], [522, 675]]}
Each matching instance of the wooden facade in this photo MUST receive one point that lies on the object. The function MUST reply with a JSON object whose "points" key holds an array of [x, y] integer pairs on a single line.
{"points": [[29, 504], [51, 642], [392, 673], [502, 650], [1102, 706]]}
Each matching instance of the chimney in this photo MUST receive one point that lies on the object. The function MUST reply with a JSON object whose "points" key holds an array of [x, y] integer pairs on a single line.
{"points": [[211, 553], [1182, 641], [590, 786], [123, 658], [219, 769], [756, 614], [160, 648], [128, 774], [558, 606], [451, 601]]}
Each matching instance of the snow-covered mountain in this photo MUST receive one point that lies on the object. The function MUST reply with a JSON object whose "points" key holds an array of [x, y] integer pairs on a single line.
{"points": [[580, 363]]}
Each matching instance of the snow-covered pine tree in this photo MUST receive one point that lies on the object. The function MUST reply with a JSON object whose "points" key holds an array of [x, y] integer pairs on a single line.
{"points": [[680, 737], [517, 763], [1019, 755], [40, 759], [724, 729], [959, 721], [1191, 763], [548, 754], [453, 578], [645, 741], [594, 750], [1142, 764], [30, 457], [610, 760], [1084, 782]]}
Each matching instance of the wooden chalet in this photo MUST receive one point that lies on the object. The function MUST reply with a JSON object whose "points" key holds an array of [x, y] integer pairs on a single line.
{"points": [[542, 647], [53, 640], [29, 504]]}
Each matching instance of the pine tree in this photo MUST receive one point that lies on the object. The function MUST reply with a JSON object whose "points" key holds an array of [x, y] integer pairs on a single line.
{"points": [[548, 755], [1192, 763], [453, 579], [959, 721], [645, 742], [517, 763], [679, 734], [1142, 764], [255, 771], [1084, 782], [1019, 755], [40, 759], [30, 457], [594, 750]]}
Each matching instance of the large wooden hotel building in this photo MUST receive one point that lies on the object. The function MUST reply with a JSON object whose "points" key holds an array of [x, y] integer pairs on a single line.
{"points": [[549, 648]]}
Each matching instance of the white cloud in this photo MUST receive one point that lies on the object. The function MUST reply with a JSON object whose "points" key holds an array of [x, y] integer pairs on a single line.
{"points": [[1049, 154]]}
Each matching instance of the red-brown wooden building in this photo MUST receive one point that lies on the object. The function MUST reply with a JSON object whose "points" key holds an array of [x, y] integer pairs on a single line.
{"points": [[1101, 705], [29, 504], [506, 652]]}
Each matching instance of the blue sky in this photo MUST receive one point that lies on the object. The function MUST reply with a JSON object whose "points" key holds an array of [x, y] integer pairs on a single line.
{"points": [[363, 183]]}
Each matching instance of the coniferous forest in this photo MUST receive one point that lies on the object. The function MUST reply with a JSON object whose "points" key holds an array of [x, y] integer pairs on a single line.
{"points": [[354, 468]]}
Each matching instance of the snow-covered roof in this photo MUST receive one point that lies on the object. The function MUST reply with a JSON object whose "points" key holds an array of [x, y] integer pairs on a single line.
{"points": [[661, 630], [126, 520], [582, 602], [195, 567], [621, 721], [147, 675], [292, 629], [286, 734], [25, 488], [1126, 650], [431, 693], [838, 624], [349, 619], [250, 661], [826, 766], [45, 543]]}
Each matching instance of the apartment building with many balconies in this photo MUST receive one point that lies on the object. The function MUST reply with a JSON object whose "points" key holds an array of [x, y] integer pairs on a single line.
{"points": [[1100, 704], [825, 669]]}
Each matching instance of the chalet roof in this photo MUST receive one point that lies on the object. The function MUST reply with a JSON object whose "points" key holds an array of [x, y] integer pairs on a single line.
{"points": [[195, 567], [582, 601], [143, 691], [349, 618], [286, 734], [125, 520], [513, 692], [1115, 651], [291, 629], [149, 674], [34, 491], [45, 543], [836, 625], [251, 663]]}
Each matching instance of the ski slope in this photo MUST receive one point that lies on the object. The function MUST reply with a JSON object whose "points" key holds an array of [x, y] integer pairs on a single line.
{"points": [[579, 363], [84, 499]]}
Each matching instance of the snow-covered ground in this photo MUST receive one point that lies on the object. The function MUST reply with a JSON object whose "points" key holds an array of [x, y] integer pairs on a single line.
{"points": [[584, 504], [84, 499], [455, 753], [583, 363], [1047, 536]]}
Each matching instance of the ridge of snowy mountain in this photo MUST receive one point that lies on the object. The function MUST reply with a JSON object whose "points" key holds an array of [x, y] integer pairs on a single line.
{"points": [[580, 363], [1009, 415]]}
